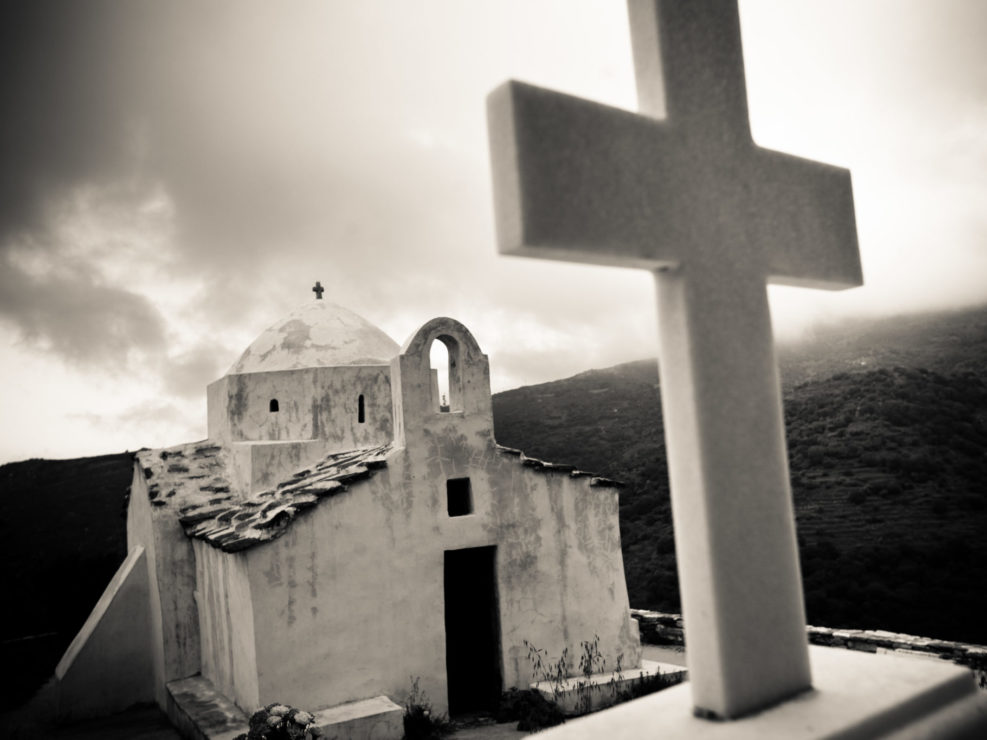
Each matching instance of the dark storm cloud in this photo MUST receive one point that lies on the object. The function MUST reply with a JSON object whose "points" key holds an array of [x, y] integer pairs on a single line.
{"points": [[71, 312], [66, 124], [343, 141], [64, 86], [275, 132]]}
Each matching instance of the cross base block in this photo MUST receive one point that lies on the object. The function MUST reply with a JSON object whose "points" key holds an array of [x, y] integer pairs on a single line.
{"points": [[855, 695]]}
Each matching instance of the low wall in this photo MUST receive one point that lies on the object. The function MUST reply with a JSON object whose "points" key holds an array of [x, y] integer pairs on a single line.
{"points": [[108, 666], [658, 628]]}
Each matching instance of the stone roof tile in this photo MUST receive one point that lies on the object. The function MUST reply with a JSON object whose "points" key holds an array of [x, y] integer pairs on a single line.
{"points": [[232, 524], [534, 463]]}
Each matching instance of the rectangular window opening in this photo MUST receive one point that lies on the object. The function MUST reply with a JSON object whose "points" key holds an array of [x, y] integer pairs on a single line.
{"points": [[459, 496]]}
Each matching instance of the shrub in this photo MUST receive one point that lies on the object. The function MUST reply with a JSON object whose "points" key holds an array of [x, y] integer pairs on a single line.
{"points": [[420, 722], [281, 722], [649, 685]]}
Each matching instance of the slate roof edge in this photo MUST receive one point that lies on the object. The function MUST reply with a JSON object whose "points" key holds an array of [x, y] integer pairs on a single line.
{"points": [[169, 470], [596, 481]]}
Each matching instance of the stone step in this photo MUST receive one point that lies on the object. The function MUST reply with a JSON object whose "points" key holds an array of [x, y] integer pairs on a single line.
{"points": [[378, 718], [199, 711]]}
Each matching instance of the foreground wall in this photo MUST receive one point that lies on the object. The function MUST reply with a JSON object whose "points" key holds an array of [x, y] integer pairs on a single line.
{"points": [[108, 666]]}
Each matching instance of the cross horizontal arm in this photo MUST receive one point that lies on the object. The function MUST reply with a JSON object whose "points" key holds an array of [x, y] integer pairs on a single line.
{"points": [[802, 220], [576, 181]]}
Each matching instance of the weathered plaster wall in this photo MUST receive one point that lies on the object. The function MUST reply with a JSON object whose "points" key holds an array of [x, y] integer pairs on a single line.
{"points": [[313, 403], [273, 462], [171, 570], [348, 605], [318, 413], [260, 465], [217, 422], [229, 657], [358, 582], [109, 665]]}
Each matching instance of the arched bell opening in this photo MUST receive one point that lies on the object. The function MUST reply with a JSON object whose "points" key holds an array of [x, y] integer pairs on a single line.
{"points": [[445, 374]]}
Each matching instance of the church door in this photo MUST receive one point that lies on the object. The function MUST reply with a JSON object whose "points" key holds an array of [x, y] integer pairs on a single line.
{"points": [[472, 630]]}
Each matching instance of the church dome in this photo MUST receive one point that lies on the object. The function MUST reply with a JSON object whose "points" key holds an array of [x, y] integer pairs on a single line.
{"points": [[317, 334]]}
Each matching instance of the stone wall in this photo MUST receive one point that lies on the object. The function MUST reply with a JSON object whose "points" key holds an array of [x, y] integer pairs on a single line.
{"points": [[658, 628]]}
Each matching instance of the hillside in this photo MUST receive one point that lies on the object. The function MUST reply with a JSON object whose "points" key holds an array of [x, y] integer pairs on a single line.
{"points": [[887, 429], [946, 342], [888, 459]]}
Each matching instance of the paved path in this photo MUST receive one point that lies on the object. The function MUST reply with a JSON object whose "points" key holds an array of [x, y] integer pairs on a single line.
{"points": [[674, 654], [148, 723], [505, 731], [142, 723]]}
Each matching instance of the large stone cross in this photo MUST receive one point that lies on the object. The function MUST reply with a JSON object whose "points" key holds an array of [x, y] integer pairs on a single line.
{"points": [[690, 197]]}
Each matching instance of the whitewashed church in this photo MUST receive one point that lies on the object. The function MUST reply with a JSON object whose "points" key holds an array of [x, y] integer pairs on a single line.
{"points": [[340, 533]]}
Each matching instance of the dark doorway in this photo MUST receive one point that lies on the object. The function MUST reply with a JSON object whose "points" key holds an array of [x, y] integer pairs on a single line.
{"points": [[472, 630]]}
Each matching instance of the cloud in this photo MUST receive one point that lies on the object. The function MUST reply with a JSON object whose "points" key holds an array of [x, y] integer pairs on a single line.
{"points": [[69, 311], [177, 175], [65, 121], [148, 424], [187, 374]]}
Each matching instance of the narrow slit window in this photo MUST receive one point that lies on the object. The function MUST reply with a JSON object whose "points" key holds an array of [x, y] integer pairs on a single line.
{"points": [[459, 496], [274, 405], [361, 414]]}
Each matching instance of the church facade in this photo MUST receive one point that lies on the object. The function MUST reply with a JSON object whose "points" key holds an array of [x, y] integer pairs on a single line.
{"points": [[341, 534]]}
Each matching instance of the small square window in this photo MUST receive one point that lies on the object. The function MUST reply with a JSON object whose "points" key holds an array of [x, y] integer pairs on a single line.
{"points": [[459, 496]]}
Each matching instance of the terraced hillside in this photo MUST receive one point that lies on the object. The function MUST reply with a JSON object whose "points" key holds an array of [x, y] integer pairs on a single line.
{"points": [[889, 469]]}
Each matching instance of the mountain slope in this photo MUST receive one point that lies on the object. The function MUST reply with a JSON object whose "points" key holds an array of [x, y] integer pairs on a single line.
{"points": [[888, 460]]}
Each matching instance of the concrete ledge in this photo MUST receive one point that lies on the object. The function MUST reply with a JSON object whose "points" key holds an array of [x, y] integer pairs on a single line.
{"points": [[200, 712], [856, 695], [378, 718], [660, 628], [581, 694]]}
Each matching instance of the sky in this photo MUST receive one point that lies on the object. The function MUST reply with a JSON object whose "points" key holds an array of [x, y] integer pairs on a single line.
{"points": [[176, 176]]}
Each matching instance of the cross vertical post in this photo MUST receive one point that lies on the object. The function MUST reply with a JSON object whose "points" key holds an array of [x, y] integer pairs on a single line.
{"points": [[691, 198]]}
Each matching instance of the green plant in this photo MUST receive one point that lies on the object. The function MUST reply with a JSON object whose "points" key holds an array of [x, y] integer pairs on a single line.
{"points": [[281, 722], [557, 673], [554, 674], [420, 721], [648, 684]]}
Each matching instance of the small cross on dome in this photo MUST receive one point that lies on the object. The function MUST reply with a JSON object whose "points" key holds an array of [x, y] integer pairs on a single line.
{"points": [[318, 290]]}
